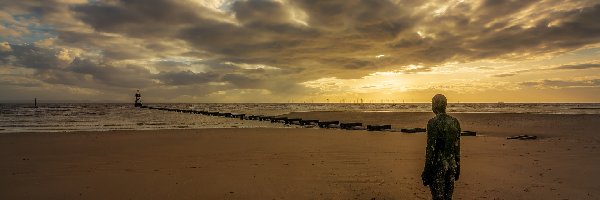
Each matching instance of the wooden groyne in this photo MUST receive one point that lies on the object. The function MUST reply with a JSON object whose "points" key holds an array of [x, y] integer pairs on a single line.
{"points": [[300, 121]]}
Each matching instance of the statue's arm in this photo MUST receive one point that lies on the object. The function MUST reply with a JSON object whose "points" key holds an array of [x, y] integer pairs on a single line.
{"points": [[457, 150], [429, 153]]}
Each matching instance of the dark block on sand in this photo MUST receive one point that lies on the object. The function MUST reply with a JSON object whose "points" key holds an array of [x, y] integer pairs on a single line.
{"points": [[324, 124], [292, 120], [413, 130], [277, 119], [523, 137], [468, 133], [239, 116], [378, 127], [224, 114], [349, 125], [306, 122], [254, 117], [212, 113], [265, 118]]}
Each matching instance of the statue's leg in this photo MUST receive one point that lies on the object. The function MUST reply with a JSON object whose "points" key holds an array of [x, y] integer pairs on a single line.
{"points": [[437, 185], [449, 183]]}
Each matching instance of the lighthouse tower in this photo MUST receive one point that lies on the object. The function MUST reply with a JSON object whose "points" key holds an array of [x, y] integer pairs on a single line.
{"points": [[138, 100]]}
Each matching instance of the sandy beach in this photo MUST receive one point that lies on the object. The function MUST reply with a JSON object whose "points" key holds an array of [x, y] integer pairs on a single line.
{"points": [[299, 99], [305, 163]]}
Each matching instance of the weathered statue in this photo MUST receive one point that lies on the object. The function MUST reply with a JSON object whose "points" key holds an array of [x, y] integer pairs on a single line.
{"points": [[442, 156], [138, 101]]}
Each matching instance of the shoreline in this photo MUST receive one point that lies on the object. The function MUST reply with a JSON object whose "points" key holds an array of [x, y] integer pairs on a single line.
{"points": [[491, 124]]}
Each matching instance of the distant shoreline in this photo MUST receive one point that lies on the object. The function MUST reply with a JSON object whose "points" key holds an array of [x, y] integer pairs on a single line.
{"points": [[491, 124]]}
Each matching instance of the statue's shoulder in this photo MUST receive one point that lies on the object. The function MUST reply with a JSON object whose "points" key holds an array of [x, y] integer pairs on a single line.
{"points": [[450, 117], [433, 120], [453, 121]]}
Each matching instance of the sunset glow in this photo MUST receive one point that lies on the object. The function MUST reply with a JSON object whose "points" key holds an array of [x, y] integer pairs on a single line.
{"points": [[300, 51]]}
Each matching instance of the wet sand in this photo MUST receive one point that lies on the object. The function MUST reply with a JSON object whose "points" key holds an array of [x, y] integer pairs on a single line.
{"points": [[302, 163]]}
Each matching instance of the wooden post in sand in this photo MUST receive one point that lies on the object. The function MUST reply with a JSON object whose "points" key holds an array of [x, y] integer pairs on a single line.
{"points": [[35, 102]]}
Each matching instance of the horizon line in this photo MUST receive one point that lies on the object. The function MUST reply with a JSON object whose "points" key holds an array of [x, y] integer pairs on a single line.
{"points": [[416, 102]]}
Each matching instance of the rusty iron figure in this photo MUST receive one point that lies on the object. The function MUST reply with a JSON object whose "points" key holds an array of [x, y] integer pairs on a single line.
{"points": [[442, 156]]}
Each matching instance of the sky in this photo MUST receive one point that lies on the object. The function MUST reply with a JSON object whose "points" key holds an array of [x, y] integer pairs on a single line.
{"points": [[298, 51]]}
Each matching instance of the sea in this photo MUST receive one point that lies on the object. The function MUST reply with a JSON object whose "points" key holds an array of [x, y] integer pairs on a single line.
{"points": [[69, 117]]}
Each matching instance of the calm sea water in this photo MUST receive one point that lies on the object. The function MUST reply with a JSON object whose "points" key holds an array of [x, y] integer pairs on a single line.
{"points": [[101, 117]]}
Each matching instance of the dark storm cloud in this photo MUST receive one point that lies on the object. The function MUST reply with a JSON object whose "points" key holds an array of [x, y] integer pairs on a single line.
{"points": [[30, 56], [19, 81], [264, 41], [88, 74], [138, 16], [187, 77], [495, 8], [300, 40], [575, 30], [126, 76], [348, 63], [504, 75], [337, 35], [382, 19], [216, 65], [580, 66], [244, 82], [114, 47], [50, 68], [267, 33], [262, 13], [557, 84], [170, 64]]}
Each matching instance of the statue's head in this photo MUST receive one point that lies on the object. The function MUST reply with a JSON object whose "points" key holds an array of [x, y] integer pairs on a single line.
{"points": [[438, 103]]}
